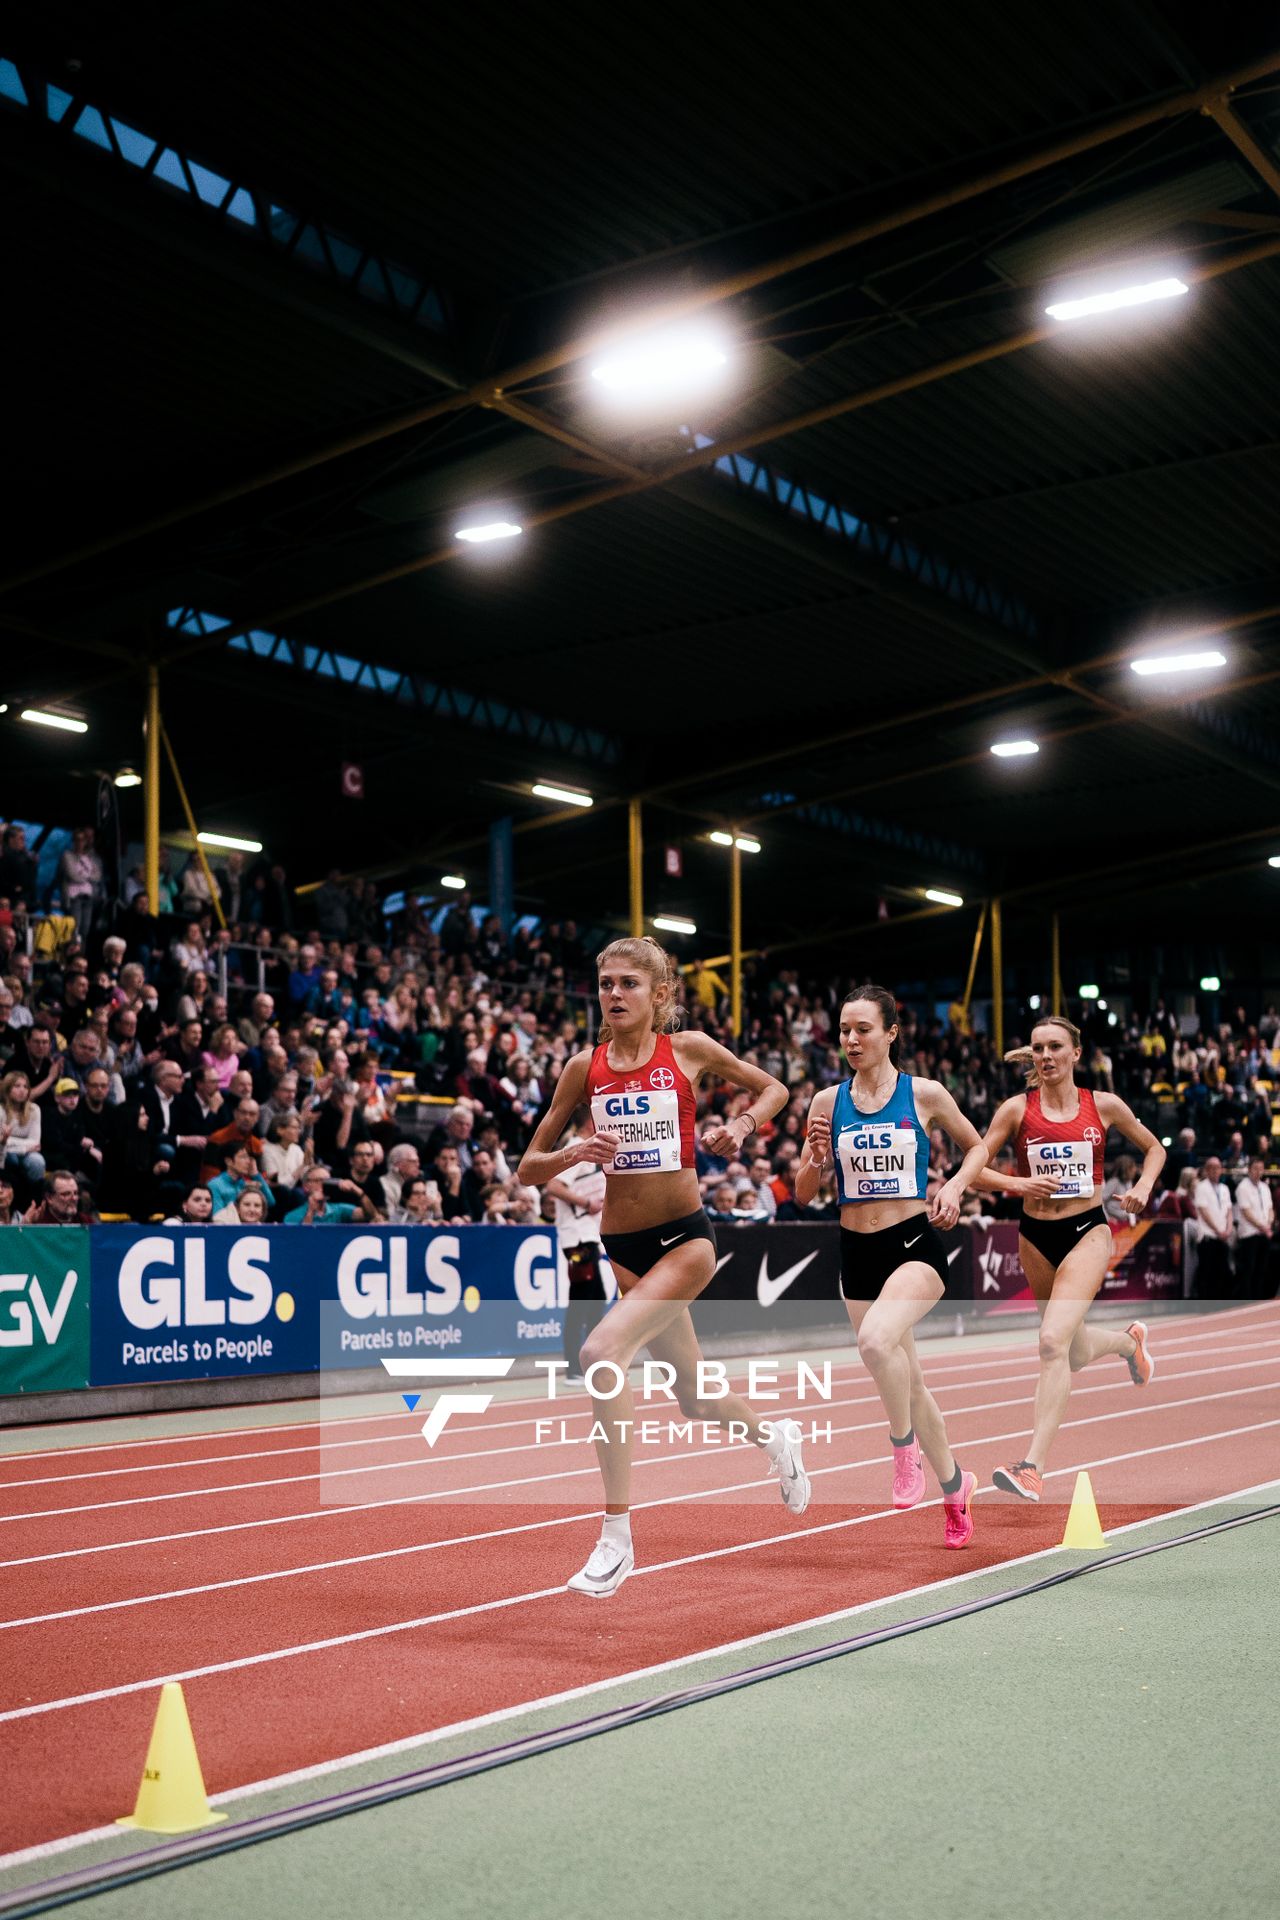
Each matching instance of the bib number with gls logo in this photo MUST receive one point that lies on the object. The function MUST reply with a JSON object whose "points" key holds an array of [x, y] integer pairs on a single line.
{"points": [[648, 1129]]}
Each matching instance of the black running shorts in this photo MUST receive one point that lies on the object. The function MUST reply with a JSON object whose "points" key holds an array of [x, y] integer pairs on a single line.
{"points": [[868, 1259]]}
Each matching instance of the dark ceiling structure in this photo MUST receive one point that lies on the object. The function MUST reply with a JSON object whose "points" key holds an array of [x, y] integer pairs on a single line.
{"points": [[311, 294]]}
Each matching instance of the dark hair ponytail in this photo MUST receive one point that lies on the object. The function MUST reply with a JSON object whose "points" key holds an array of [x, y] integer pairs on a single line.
{"points": [[882, 998]]}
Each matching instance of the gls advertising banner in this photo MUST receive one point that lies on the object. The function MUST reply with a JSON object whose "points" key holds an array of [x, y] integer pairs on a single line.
{"points": [[184, 1303], [44, 1309]]}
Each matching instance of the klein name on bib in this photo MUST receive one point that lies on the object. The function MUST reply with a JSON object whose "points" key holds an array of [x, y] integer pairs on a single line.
{"points": [[648, 1129], [1069, 1162], [878, 1163]]}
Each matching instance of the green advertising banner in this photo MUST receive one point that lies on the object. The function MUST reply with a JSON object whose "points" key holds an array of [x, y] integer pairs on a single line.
{"points": [[44, 1309]]}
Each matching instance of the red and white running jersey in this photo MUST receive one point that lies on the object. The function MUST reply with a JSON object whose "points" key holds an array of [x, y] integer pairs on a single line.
{"points": [[651, 1110], [1071, 1150]]}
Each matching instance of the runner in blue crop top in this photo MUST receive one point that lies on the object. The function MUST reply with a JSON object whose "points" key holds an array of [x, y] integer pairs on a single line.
{"points": [[893, 1262]]}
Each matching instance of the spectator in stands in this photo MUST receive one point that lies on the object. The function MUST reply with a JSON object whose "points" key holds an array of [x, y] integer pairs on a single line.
{"points": [[63, 1204], [320, 1210], [1183, 1153], [249, 1210], [339, 1126], [1115, 1187], [65, 1142], [38, 1057], [365, 1176], [402, 1165], [197, 897], [224, 1055], [1213, 1211], [74, 1011], [241, 1172], [241, 1130], [196, 1210], [20, 1128], [761, 1176], [283, 1155], [197, 1113], [261, 1015], [419, 1204], [1255, 1228], [456, 1133], [187, 1048], [17, 870], [80, 880], [448, 1172], [10, 1212]]}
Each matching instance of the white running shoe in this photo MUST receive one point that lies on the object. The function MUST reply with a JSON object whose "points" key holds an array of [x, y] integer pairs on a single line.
{"points": [[605, 1571], [793, 1481]]}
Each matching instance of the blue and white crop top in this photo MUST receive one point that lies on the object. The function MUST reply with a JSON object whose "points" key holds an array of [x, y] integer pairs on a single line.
{"points": [[879, 1156]]}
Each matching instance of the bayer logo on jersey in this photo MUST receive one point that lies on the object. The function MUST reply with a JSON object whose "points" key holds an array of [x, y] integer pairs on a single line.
{"points": [[662, 1078]]}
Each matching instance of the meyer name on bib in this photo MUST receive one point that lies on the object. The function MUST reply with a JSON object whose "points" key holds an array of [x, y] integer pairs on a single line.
{"points": [[1069, 1162], [878, 1162], [648, 1128]]}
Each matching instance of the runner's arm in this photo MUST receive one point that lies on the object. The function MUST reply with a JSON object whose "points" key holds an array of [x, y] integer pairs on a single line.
{"points": [[1113, 1112], [542, 1160], [937, 1107], [1004, 1125], [817, 1145], [698, 1053]]}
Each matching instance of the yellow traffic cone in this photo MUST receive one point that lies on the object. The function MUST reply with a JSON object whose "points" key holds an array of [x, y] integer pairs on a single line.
{"points": [[1084, 1529], [171, 1795]]}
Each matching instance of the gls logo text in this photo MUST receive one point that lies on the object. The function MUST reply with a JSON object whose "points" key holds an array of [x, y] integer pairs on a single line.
{"points": [[373, 1276], [159, 1290], [621, 1106], [21, 1331]]}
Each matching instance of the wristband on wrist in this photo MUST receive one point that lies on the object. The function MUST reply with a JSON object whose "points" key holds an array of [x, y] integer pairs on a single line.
{"points": [[754, 1124]]}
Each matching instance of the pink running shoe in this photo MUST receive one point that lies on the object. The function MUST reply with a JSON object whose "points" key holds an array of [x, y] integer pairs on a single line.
{"points": [[908, 1476], [957, 1515]]}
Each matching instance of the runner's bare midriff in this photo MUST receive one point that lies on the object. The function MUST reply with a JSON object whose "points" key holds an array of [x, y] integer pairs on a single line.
{"points": [[635, 1201], [869, 1217]]}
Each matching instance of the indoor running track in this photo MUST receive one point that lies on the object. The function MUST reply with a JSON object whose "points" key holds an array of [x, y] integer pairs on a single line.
{"points": [[306, 1632]]}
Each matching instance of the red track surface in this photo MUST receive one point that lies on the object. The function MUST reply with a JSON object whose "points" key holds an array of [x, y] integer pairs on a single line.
{"points": [[715, 1568]]}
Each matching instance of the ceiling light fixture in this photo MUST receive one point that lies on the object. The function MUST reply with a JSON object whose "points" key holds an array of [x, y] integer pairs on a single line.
{"points": [[454, 881], [1137, 296], [571, 796], [941, 899], [676, 361], [229, 840], [489, 530], [1177, 662], [671, 923], [128, 778], [63, 721], [1014, 749]]}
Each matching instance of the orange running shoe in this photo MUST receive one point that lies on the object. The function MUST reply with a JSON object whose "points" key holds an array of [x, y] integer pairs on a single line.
{"points": [[1140, 1363], [1021, 1478]]}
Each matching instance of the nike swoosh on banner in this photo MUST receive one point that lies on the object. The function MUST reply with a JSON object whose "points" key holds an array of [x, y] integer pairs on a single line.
{"points": [[954, 1254], [768, 1290]]}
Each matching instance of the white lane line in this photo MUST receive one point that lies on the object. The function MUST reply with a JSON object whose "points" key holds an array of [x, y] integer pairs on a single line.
{"points": [[703, 1493], [544, 1593], [409, 1743], [558, 1409], [1265, 1312], [423, 1460]]}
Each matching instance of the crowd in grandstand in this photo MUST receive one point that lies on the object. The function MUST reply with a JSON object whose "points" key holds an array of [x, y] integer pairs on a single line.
{"points": [[317, 1060]]}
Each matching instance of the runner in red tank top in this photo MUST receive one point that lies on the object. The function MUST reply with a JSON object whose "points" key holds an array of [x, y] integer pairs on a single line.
{"points": [[1064, 1240], [640, 1086]]}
